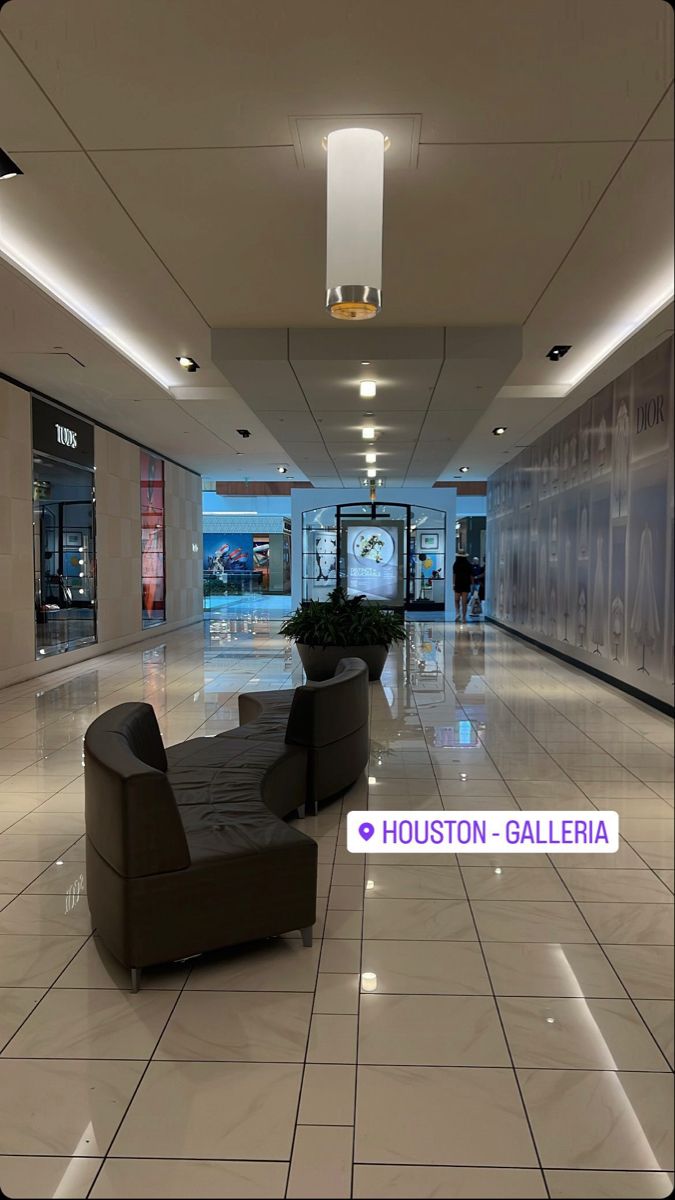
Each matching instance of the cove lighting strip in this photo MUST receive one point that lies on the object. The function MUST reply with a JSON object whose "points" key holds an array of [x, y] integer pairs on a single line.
{"points": [[78, 310], [626, 330]]}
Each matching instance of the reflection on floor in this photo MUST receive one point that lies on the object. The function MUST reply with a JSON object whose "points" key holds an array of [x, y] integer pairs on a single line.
{"points": [[466, 1027], [263, 606]]}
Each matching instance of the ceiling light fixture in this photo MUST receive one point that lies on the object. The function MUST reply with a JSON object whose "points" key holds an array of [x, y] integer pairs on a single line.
{"points": [[371, 457], [371, 472], [8, 168], [368, 432], [367, 389], [464, 470], [355, 192], [557, 352], [187, 363], [365, 364], [499, 430], [282, 470]]}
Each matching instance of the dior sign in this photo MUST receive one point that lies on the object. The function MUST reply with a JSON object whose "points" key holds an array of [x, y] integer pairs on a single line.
{"points": [[66, 437], [649, 414]]}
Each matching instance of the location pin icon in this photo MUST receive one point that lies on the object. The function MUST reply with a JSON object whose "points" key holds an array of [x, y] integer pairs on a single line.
{"points": [[366, 830]]}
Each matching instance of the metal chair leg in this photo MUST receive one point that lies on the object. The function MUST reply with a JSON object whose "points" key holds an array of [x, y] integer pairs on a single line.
{"points": [[135, 979], [306, 935]]}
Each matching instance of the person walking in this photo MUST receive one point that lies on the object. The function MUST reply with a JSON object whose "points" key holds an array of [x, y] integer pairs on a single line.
{"points": [[461, 582]]}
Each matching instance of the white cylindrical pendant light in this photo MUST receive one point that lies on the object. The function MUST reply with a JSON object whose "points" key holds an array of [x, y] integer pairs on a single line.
{"points": [[355, 188]]}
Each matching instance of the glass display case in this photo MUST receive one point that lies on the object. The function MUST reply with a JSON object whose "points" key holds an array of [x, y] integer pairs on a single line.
{"points": [[392, 553]]}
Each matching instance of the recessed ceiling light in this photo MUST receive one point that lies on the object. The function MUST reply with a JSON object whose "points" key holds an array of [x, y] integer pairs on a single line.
{"points": [[371, 472], [367, 389], [282, 470], [368, 432], [8, 168], [464, 470], [365, 364], [188, 363], [371, 457], [557, 352], [499, 430]]}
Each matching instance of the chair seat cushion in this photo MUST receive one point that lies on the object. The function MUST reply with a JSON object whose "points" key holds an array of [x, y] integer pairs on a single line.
{"points": [[241, 827]]}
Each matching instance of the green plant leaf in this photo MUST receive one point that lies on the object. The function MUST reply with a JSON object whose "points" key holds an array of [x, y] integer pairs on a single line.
{"points": [[343, 620]]}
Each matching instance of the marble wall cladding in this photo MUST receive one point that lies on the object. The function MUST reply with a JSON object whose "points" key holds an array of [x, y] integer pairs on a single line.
{"points": [[118, 545], [17, 611], [183, 508]]}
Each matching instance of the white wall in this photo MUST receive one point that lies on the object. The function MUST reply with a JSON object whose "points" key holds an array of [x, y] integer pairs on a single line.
{"points": [[118, 545]]}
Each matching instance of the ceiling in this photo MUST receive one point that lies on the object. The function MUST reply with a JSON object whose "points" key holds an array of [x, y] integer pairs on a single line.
{"points": [[170, 189]]}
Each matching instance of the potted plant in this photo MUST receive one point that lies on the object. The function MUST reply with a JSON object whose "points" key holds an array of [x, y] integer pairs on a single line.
{"points": [[343, 627]]}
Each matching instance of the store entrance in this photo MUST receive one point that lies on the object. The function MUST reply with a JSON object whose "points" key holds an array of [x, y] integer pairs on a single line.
{"points": [[64, 556]]}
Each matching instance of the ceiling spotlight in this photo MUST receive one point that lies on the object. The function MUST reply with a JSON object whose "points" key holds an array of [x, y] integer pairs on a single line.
{"points": [[368, 432], [499, 430], [557, 352], [464, 470], [371, 457], [282, 470], [8, 168], [355, 190], [367, 389], [365, 364], [187, 363], [371, 472]]}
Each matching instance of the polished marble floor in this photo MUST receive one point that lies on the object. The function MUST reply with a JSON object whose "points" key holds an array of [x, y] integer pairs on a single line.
{"points": [[470, 1027]]}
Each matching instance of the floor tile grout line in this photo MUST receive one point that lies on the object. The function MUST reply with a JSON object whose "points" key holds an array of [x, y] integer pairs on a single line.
{"points": [[506, 1040], [554, 864], [543, 748], [612, 967], [360, 969], [142, 1076], [296, 1121], [546, 667]]}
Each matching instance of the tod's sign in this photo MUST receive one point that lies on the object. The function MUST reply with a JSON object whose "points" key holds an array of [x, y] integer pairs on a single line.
{"points": [[62, 434], [66, 437]]}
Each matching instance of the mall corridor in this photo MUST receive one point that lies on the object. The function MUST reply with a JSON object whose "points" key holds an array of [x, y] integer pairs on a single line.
{"points": [[337, 599], [462, 1026]]}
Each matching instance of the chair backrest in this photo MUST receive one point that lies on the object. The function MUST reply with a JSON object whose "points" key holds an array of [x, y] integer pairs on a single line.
{"points": [[131, 815], [325, 712]]}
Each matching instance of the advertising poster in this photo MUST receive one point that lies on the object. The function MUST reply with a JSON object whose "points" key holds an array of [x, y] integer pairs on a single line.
{"points": [[617, 595], [374, 561], [323, 568], [601, 443], [594, 536], [152, 538], [227, 553]]}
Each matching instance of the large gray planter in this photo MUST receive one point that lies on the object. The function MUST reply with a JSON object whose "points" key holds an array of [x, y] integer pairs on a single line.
{"points": [[320, 661]]}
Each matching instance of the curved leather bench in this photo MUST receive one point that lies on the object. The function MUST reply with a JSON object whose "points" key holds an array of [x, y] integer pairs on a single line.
{"points": [[329, 718], [308, 744], [183, 860], [185, 849]]}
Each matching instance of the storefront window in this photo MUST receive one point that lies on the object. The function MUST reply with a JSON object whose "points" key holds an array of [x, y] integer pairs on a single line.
{"points": [[392, 553], [319, 552], [427, 556], [152, 539], [64, 544]]}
